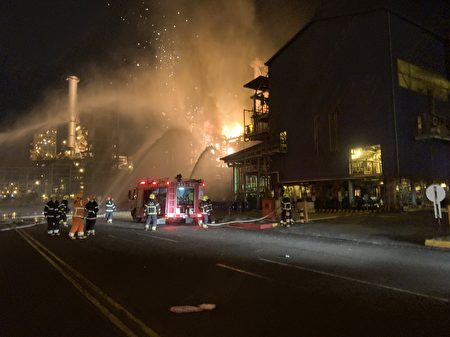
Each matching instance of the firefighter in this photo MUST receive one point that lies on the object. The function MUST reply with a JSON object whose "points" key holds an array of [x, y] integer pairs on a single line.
{"points": [[91, 210], [286, 212], [206, 209], [152, 209], [77, 218], [51, 212], [110, 208], [64, 210]]}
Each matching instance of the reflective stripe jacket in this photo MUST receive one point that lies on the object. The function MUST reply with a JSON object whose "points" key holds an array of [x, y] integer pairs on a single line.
{"points": [[286, 204], [64, 207], [110, 206], [206, 206], [91, 209], [152, 207], [78, 209], [51, 209]]}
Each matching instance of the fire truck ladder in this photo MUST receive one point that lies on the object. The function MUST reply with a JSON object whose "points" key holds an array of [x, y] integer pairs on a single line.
{"points": [[171, 207]]}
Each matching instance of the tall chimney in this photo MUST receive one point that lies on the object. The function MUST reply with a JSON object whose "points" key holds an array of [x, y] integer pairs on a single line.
{"points": [[73, 116]]}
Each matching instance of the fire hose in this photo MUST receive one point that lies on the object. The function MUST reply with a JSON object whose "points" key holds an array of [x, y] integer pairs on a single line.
{"points": [[239, 221]]}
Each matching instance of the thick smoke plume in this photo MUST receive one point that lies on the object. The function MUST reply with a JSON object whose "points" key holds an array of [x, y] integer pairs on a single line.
{"points": [[174, 77]]}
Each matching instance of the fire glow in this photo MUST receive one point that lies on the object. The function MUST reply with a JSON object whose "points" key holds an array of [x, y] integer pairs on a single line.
{"points": [[233, 130]]}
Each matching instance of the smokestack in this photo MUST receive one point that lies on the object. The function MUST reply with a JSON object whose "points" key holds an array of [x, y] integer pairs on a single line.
{"points": [[73, 116]]}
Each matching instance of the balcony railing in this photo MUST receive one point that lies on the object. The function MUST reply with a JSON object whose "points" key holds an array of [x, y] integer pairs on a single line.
{"points": [[432, 126], [365, 168], [256, 131]]}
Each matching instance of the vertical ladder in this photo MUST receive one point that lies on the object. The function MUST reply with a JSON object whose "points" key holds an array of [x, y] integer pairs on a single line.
{"points": [[171, 200]]}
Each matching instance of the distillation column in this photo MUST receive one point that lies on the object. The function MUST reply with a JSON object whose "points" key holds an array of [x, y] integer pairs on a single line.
{"points": [[73, 115]]}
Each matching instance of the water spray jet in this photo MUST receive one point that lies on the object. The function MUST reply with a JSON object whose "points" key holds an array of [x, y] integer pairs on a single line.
{"points": [[205, 151]]}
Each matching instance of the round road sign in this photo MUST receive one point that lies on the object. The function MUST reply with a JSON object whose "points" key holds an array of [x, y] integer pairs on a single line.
{"points": [[435, 193]]}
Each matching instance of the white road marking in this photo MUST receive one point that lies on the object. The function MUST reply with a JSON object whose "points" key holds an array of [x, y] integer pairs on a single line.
{"points": [[243, 271], [18, 227], [347, 278], [157, 237], [120, 238]]}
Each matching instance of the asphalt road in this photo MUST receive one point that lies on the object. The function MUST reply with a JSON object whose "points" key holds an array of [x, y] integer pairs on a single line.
{"points": [[123, 282]]}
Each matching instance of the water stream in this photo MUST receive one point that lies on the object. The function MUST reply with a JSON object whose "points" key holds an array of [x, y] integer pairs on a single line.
{"points": [[202, 155]]}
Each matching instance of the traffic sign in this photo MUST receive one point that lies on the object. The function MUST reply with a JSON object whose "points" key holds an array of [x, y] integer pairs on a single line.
{"points": [[435, 193]]}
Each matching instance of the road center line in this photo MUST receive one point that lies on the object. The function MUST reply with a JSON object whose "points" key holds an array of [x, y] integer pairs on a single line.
{"points": [[347, 278], [53, 259], [243, 271]]}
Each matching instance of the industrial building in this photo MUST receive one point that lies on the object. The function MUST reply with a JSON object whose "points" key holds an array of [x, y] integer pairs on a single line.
{"points": [[80, 155], [359, 108]]}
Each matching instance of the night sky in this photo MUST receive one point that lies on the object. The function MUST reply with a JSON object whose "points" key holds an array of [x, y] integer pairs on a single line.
{"points": [[43, 41]]}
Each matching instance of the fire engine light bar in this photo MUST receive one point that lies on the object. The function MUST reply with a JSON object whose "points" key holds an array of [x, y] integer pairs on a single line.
{"points": [[153, 182], [142, 182]]}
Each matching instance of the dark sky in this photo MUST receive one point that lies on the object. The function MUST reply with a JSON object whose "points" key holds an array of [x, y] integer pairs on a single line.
{"points": [[43, 41]]}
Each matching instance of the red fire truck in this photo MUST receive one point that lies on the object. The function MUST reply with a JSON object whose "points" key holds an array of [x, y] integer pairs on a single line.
{"points": [[179, 199]]}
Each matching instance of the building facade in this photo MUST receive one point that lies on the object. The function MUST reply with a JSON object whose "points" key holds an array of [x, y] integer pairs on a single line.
{"points": [[361, 95]]}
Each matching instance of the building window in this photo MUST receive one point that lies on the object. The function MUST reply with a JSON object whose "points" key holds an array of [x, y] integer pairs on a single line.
{"points": [[365, 161], [333, 131], [422, 81], [283, 141], [316, 134]]}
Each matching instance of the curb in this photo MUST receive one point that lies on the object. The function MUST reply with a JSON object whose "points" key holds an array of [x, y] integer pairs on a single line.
{"points": [[439, 243]]}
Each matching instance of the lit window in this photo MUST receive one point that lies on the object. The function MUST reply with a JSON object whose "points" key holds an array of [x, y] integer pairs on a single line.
{"points": [[422, 81], [283, 141], [365, 161]]}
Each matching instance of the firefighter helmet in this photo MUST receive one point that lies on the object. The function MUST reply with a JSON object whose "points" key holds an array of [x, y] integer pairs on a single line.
{"points": [[286, 199], [205, 198], [151, 196], [78, 195], [66, 197], [53, 196]]}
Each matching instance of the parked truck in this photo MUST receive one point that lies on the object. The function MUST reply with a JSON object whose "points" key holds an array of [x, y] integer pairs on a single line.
{"points": [[179, 199]]}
